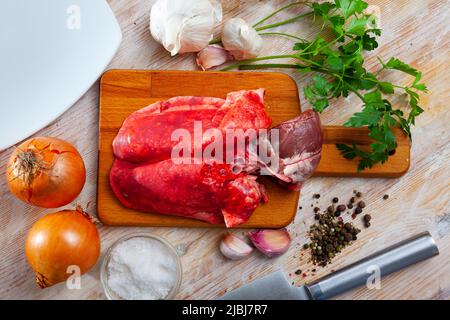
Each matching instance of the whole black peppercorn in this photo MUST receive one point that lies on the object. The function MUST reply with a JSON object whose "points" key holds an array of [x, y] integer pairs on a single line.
{"points": [[358, 194], [352, 200], [340, 208], [305, 246], [317, 216], [350, 206], [385, 197], [361, 204], [348, 237], [335, 200], [358, 210], [367, 224], [316, 196], [367, 217], [316, 209]]}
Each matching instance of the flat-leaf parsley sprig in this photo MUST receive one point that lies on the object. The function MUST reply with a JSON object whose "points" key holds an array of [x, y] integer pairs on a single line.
{"points": [[338, 68]]}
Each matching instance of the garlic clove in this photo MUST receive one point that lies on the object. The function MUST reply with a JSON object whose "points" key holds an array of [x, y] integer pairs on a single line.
{"points": [[241, 39], [271, 242], [212, 56], [234, 248]]}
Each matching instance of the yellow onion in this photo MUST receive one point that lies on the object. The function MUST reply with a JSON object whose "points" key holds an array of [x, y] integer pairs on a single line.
{"points": [[46, 172], [61, 240]]}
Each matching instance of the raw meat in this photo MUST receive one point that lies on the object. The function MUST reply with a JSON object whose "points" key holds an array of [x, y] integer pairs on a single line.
{"points": [[145, 135], [212, 193], [300, 149], [145, 177]]}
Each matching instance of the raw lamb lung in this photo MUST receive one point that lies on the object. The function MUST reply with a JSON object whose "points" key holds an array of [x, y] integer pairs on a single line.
{"points": [[145, 178], [200, 191]]}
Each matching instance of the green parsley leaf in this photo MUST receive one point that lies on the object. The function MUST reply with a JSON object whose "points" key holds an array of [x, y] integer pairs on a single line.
{"points": [[397, 64], [386, 87], [357, 26]]}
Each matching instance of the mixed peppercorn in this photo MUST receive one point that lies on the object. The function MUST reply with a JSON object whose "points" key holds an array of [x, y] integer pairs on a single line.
{"points": [[330, 234]]}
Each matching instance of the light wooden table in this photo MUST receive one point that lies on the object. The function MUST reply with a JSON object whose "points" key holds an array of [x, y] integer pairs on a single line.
{"points": [[415, 31]]}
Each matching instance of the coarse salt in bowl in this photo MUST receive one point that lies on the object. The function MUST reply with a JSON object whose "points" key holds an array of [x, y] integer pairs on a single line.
{"points": [[141, 267]]}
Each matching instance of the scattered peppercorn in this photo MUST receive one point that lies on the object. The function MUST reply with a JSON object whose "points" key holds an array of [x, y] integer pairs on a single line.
{"points": [[298, 272], [329, 236], [300, 208], [385, 197]]}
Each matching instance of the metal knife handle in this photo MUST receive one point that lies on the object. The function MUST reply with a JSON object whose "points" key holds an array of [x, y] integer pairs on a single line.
{"points": [[389, 260]]}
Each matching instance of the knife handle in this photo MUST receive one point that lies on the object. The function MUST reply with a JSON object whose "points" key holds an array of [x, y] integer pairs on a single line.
{"points": [[394, 258]]}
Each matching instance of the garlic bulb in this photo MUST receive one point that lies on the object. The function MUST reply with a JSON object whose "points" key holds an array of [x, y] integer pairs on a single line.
{"points": [[234, 248], [184, 25], [212, 56], [241, 39], [271, 242]]}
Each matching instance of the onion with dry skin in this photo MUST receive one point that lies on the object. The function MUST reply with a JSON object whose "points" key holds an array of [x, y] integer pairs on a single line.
{"points": [[61, 240], [46, 172]]}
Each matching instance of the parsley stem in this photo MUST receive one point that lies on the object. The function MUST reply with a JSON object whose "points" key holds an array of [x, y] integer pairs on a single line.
{"points": [[278, 11], [355, 91], [236, 65], [282, 34], [270, 65], [281, 23]]}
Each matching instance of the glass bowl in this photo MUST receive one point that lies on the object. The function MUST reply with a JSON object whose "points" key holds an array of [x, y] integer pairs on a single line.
{"points": [[110, 294]]}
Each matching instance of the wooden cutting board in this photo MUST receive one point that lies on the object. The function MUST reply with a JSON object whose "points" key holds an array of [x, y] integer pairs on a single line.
{"points": [[125, 91]]}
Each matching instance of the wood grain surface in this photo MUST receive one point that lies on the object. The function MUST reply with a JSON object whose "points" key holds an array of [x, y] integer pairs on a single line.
{"points": [[414, 31], [122, 92]]}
